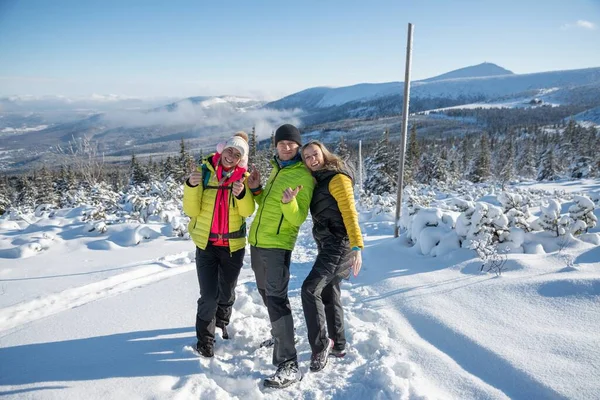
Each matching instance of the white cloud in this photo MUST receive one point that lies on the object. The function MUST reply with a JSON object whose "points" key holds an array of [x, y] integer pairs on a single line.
{"points": [[217, 118], [583, 24], [586, 24]]}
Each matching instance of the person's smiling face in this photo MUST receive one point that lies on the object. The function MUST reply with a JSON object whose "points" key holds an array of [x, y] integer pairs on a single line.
{"points": [[313, 157], [230, 157], [287, 149]]}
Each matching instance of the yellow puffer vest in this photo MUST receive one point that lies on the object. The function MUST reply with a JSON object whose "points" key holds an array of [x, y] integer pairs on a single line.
{"points": [[199, 205]]}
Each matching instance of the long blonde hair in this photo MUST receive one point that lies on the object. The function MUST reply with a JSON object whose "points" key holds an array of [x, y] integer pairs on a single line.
{"points": [[331, 161]]}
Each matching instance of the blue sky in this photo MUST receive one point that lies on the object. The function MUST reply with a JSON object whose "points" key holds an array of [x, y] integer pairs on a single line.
{"points": [[273, 48]]}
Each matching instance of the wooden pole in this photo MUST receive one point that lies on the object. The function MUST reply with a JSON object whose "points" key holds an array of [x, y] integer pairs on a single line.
{"points": [[404, 127]]}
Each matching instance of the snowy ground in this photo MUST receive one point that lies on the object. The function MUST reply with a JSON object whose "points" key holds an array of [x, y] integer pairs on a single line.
{"points": [[86, 315]]}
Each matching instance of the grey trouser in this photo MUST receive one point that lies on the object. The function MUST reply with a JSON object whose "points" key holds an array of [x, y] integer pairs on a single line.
{"points": [[272, 271], [321, 297]]}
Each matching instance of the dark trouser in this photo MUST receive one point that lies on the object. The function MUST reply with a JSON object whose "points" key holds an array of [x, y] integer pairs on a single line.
{"points": [[321, 297], [272, 271], [218, 272]]}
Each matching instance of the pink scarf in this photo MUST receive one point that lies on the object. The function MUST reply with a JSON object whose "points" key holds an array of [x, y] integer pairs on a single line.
{"points": [[220, 224]]}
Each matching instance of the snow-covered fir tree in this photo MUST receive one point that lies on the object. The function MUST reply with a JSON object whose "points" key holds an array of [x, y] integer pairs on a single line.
{"points": [[548, 167], [138, 172], [26, 193], [5, 194], [342, 149], [252, 147], [582, 213], [481, 168], [506, 162], [549, 218], [44, 184], [432, 168], [515, 207], [411, 161], [381, 175], [526, 161]]}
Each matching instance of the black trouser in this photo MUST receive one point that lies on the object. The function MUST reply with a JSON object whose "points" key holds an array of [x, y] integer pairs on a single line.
{"points": [[272, 271], [218, 272], [321, 296]]}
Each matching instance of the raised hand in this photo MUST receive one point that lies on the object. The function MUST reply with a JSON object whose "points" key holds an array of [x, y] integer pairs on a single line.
{"points": [[356, 261], [253, 178], [195, 176], [289, 194], [238, 186]]}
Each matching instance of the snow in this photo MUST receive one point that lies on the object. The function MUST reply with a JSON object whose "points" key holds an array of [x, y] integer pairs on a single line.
{"points": [[93, 314], [553, 87]]}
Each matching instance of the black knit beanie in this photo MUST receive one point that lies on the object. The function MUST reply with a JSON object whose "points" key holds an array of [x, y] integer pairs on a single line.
{"points": [[288, 132]]}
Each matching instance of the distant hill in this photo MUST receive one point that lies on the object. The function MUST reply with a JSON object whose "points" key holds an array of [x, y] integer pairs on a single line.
{"points": [[474, 71], [385, 99]]}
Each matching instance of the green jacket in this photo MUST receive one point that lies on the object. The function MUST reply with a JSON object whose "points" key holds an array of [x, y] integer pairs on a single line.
{"points": [[199, 205], [276, 224]]}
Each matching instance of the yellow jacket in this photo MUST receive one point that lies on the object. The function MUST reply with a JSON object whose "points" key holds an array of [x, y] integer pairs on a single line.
{"points": [[199, 205]]}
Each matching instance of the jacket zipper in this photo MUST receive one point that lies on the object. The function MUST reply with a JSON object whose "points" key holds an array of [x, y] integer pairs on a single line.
{"points": [[279, 226], [261, 211]]}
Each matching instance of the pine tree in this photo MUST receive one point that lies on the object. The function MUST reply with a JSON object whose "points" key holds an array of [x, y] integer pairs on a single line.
{"points": [[507, 172], [481, 167], [411, 163], [181, 165], [252, 145], [526, 163], [379, 168], [342, 149], [5, 194], [582, 213], [45, 188], [431, 168], [138, 173], [27, 193], [548, 168]]}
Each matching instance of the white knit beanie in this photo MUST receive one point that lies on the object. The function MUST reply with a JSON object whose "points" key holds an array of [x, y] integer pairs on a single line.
{"points": [[240, 145]]}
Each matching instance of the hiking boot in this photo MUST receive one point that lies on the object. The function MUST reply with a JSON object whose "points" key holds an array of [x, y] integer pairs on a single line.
{"points": [[270, 342], [224, 333], [287, 374], [337, 352], [318, 361], [205, 349]]}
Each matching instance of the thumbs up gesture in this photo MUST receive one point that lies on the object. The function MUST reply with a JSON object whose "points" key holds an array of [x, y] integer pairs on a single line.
{"points": [[237, 188], [289, 194], [195, 176]]}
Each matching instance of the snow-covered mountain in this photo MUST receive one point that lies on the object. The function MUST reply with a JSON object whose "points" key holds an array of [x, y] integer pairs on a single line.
{"points": [[455, 85], [474, 71]]}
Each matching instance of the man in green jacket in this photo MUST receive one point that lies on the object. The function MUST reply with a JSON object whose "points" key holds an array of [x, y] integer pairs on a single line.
{"points": [[283, 205]]}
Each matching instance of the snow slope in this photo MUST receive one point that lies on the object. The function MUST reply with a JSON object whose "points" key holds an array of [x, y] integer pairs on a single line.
{"points": [[88, 315], [488, 87]]}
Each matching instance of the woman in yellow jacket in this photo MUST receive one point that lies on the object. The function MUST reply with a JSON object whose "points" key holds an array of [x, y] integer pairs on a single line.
{"points": [[217, 200], [339, 244]]}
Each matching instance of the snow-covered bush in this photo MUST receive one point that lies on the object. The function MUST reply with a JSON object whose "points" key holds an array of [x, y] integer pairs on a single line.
{"points": [[515, 206], [582, 214], [482, 221], [493, 261], [549, 219]]}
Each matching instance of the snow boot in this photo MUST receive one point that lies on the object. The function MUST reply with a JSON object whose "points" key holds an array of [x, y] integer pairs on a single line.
{"points": [[287, 374], [318, 361], [205, 349]]}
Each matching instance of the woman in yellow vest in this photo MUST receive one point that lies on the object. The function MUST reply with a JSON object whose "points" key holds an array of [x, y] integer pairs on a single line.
{"points": [[217, 200], [339, 244]]}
